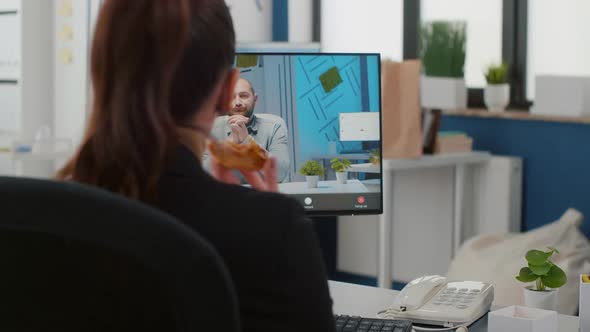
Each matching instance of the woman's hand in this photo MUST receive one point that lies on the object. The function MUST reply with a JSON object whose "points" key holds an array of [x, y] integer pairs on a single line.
{"points": [[265, 180]]}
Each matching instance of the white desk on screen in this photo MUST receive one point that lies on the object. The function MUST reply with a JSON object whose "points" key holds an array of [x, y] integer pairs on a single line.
{"points": [[364, 301], [325, 187]]}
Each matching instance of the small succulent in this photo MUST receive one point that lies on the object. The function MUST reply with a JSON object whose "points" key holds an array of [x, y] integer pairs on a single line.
{"points": [[340, 165], [312, 168], [542, 270], [497, 74], [375, 157]]}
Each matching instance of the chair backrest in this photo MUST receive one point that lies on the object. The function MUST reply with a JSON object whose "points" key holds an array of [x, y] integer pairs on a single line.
{"points": [[71, 254]]}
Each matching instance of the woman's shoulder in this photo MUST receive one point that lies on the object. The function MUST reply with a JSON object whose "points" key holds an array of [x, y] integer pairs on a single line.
{"points": [[229, 201], [268, 204]]}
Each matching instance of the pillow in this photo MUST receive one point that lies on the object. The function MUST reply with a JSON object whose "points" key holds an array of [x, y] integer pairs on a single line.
{"points": [[498, 258]]}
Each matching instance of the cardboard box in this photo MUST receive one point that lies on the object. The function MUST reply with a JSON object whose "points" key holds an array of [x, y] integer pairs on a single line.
{"points": [[453, 144], [522, 319], [584, 306]]}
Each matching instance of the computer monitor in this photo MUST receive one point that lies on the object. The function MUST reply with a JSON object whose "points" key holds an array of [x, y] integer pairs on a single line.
{"points": [[317, 107]]}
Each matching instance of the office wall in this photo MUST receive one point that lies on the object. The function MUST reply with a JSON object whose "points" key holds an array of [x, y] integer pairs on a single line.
{"points": [[300, 21], [567, 55], [36, 69], [556, 162], [356, 26], [71, 81], [252, 19]]}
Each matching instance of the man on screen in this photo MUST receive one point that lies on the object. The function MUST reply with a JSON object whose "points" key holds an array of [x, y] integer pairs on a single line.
{"points": [[241, 124]]}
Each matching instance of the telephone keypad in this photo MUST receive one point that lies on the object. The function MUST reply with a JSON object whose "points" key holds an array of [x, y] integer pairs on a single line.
{"points": [[458, 298]]}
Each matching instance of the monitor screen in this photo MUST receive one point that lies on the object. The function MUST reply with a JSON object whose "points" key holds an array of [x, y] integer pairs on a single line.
{"points": [[320, 116]]}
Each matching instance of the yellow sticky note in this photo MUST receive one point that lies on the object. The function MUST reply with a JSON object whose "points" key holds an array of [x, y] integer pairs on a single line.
{"points": [[65, 8], [66, 33], [246, 60], [65, 56]]}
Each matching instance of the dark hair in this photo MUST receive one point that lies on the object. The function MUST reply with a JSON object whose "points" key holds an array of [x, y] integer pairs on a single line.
{"points": [[153, 63]]}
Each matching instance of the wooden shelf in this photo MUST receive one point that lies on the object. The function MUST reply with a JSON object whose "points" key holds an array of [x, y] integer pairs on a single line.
{"points": [[518, 115]]}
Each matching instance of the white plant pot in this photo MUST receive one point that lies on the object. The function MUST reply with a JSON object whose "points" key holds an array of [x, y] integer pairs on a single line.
{"points": [[341, 177], [497, 97], [312, 181], [540, 299], [443, 93]]}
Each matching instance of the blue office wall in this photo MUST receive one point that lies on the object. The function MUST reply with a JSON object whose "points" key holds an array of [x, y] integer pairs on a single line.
{"points": [[556, 162]]}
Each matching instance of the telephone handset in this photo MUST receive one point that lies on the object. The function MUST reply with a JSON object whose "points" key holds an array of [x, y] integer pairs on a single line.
{"points": [[434, 301]]}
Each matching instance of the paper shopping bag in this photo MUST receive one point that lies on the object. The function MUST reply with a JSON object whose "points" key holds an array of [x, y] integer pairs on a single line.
{"points": [[401, 113]]}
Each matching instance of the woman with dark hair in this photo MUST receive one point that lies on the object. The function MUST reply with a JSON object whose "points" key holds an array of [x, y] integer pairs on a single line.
{"points": [[161, 73]]}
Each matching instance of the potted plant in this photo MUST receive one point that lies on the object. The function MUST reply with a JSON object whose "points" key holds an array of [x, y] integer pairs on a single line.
{"points": [[312, 171], [497, 92], [442, 51], [547, 277], [340, 165], [375, 157]]}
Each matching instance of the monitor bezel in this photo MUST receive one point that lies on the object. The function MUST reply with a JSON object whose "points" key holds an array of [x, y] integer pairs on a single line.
{"points": [[343, 212]]}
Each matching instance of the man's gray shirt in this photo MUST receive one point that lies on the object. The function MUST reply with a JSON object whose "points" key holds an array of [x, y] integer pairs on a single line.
{"points": [[268, 130]]}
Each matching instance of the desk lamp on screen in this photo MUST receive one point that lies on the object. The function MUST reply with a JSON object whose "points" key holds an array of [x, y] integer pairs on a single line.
{"points": [[314, 107]]}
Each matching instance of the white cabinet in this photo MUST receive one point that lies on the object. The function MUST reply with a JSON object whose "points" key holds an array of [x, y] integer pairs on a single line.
{"points": [[26, 73], [423, 217]]}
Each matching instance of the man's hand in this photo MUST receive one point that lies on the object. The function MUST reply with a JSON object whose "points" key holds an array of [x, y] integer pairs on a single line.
{"points": [[239, 131]]}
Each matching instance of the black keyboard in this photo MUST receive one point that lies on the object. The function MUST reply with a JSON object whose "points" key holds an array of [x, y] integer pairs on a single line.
{"points": [[360, 324]]}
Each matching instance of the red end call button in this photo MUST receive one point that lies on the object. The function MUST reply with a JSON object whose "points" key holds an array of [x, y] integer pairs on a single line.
{"points": [[361, 200]]}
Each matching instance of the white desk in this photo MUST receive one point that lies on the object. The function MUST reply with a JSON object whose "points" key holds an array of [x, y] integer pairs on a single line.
{"points": [[324, 187], [356, 300], [459, 161], [364, 168], [349, 156]]}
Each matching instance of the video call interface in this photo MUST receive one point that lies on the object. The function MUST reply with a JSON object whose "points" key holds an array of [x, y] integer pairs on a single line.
{"points": [[318, 115]]}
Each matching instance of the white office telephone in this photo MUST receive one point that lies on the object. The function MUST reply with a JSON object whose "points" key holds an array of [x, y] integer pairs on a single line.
{"points": [[434, 301]]}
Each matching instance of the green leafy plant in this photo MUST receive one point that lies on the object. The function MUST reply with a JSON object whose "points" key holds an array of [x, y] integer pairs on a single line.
{"points": [[497, 74], [375, 156], [312, 168], [542, 271], [340, 165], [442, 47]]}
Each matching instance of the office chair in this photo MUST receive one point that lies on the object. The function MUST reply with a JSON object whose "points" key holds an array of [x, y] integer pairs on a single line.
{"points": [[77, 258]]}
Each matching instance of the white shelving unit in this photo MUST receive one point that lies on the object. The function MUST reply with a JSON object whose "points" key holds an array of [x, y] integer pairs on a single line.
{"points": [[26, 73], [436, 180]]}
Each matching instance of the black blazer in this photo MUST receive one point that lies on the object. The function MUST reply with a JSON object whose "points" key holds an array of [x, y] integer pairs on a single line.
{"points": [[268, 245]]}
